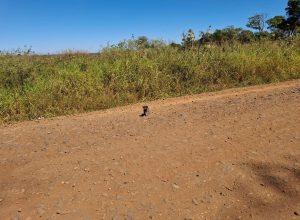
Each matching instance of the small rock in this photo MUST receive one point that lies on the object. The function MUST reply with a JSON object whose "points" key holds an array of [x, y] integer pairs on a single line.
{"points": [[19, 210], [1, 200], [206, 198], [195, 201], [175, 186], [296, 213]]}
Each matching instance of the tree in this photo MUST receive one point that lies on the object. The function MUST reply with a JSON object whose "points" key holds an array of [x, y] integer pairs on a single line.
{"points": [[246, 36], [293, 16], [257, 22], [188, 40], [206, 36], [278, 25], [232, 33], [175, 45], [157, 43], [275, 23], [142, 42], [228, 34], [262, 35]]}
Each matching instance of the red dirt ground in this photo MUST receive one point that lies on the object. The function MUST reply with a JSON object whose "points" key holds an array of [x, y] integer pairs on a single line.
{"points": [[233, 154]]}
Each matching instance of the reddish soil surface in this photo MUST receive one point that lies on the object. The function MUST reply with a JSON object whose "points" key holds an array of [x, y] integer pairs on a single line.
{"points": [[233, 154]]}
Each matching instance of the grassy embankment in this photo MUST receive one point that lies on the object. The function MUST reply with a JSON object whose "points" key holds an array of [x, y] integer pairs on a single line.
{"points": [[45, 86]]}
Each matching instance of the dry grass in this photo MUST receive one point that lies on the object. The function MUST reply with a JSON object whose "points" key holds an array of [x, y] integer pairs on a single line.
{"points": [[45, 86]]}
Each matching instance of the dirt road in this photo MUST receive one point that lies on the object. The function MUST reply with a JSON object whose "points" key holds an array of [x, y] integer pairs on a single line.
{"points": [[233, 154]]}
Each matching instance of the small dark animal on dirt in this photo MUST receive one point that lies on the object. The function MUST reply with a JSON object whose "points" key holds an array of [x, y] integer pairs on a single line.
{"points": [[146, 111]]}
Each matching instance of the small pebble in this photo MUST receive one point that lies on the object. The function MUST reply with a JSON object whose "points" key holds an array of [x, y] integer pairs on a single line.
{"points": [[175, 186], [195, 201]]}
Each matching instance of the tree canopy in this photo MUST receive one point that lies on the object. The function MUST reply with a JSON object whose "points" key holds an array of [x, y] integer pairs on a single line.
{"points": [[257, 22], [275, 28]]}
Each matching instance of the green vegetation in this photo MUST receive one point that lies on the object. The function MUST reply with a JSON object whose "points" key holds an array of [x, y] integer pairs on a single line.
{"points": [[43, 86], [33, 86]]}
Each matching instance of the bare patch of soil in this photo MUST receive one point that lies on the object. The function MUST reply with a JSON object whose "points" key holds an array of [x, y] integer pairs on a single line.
{"points": [[233, 154]]}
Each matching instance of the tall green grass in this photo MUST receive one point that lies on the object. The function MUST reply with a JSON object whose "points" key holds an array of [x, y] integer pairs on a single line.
{"points": [[34, 86]]}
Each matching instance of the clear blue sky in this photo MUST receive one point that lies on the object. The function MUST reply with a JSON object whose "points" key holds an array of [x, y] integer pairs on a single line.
{"points": [[56, 25]]}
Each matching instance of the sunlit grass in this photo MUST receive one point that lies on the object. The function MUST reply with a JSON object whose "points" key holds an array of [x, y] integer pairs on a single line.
{"points": [[44, 86]]}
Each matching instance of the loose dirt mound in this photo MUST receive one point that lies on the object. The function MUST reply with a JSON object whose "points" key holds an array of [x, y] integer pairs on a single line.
{"points": [[233, 154]]}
